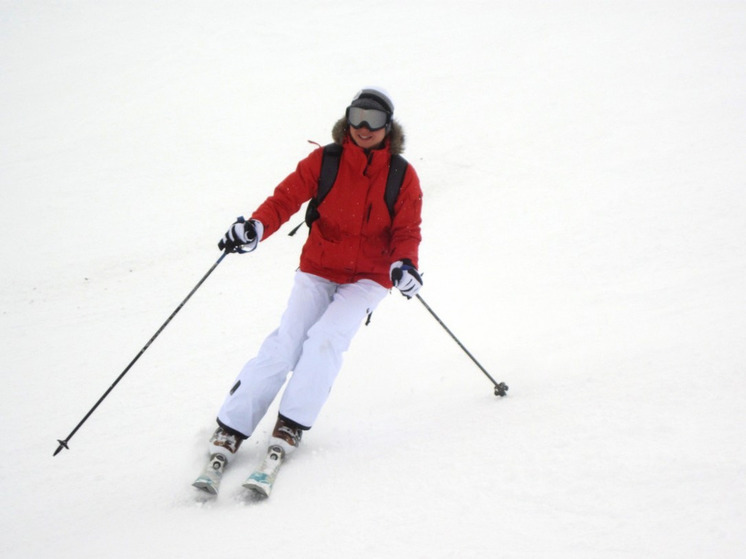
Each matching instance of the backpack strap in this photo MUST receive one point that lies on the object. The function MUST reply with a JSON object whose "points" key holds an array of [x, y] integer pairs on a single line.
{"points": [[397, 170], [329, 169], [327, 176]]}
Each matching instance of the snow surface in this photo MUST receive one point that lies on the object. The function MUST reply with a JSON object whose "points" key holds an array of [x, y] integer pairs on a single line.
{"points": [[584, 172]]}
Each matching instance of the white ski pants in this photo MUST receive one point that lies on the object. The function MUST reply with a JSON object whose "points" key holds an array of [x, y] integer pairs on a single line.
{"points": [[315, 330]]}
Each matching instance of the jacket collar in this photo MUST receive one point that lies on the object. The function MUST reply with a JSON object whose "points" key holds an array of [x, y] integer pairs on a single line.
{"points": [[366, 160]]}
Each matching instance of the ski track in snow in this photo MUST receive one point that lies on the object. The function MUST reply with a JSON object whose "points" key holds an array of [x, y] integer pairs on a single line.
{"points": [[584, 176]]}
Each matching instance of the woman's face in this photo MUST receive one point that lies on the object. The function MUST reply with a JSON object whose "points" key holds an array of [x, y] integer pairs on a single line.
{"points": [[367, 139]]}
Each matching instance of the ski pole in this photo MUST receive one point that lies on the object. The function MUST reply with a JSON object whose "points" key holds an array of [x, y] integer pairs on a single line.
{"points": [[501, 388], [64, 442]]}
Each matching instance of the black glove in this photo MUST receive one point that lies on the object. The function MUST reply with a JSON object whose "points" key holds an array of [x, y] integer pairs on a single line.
{"points": [[406, 278], [243, 236]]}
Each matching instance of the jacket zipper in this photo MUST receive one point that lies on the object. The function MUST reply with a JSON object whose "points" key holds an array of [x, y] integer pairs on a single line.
{"points": [[368, 159]]}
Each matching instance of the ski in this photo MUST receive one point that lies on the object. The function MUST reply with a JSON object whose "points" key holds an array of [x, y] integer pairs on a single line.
{"points": [[263, 478], [209, 479]]}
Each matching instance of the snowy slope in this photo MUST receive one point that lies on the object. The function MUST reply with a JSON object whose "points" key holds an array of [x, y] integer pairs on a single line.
{"points": [[584, 229]]}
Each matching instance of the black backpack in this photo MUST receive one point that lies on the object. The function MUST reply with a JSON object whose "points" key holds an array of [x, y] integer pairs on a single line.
{"points": [[329, 169]]}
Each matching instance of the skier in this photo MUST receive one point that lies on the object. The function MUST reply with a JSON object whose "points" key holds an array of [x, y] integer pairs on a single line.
{"points": [[357, 250]]}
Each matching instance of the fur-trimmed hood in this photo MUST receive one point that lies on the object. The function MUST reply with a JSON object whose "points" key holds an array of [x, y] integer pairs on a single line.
{"points": [[395, 136]]}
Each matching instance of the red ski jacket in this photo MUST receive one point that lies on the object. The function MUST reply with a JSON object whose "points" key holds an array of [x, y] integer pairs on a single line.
{"points": [[355, 237]]}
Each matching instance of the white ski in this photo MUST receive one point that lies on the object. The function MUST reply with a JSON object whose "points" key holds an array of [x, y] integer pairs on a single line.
{"points": [[263, 478], [209, 479]]}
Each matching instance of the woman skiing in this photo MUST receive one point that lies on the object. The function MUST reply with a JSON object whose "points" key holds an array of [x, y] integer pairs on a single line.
{"points": [[358, 247]]}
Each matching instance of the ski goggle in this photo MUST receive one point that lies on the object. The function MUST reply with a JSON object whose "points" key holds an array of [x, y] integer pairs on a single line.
{"points": [[372, 119]]}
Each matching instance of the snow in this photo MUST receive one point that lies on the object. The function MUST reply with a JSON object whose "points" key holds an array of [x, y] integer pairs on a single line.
{"points": [[584, 172]]}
